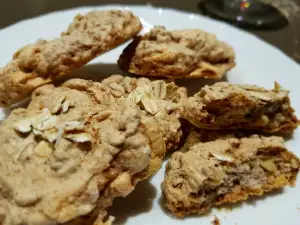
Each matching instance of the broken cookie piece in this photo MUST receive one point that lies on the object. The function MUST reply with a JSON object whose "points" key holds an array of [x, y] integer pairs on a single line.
{"points": [[160, 99], [228, 106], [190, 53], [66, 157], [46, 61], [226, 171]]}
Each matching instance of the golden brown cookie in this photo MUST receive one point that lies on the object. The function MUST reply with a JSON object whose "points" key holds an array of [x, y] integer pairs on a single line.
{"points": [[160, 99], [47, 61], [67, 156], [226, 171], [229, 106], [190, 53]]}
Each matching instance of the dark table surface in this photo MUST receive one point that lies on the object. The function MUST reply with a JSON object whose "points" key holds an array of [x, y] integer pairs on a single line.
{"points": [[287, 39]]}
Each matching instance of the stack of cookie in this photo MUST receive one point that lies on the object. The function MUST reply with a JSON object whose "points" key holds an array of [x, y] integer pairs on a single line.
{"points": [[79, 144], [230, 153]]}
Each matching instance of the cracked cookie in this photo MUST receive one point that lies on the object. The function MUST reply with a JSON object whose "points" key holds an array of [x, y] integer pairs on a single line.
{"points": [[229, 106], [46, 61], [195, 136], [226, 171], [190, 53], [159, 98], [67, 156]]}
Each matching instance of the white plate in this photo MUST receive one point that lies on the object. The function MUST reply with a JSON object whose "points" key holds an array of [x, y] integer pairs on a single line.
{"points": [[257, 63]]}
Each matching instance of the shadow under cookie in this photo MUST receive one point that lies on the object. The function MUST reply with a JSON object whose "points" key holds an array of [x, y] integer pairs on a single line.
{"points": [[138, 202], [97, 72], [194, 85]]}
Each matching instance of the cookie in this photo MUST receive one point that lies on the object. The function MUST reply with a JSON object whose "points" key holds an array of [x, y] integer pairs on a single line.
{"points": [[160, 99], [47, 61], [228, 106], [226, 171], [67, 156], [92, 98], [190, 53]]}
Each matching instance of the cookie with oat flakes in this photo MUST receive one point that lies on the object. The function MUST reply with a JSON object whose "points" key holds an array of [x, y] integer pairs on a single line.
{"points": [[190, 53], [225, 106], [73, 155], [160, 99], [226, 170], [47, 61]]}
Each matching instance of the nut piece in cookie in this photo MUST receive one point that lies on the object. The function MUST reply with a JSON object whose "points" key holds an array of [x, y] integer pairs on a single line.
{"points": [[46, 61], [159, 99], [228, 106], [226, 171], [66, 157], [190, 53]]}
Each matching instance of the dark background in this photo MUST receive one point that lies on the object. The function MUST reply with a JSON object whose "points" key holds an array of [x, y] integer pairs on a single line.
{"points": [[11, 11]]}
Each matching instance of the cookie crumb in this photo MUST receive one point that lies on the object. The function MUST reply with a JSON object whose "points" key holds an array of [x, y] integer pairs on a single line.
{"points": [[215, 221], [226, 209]]}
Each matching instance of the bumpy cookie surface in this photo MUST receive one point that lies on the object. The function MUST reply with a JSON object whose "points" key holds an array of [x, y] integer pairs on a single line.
{"points": [[178, 54], [226, 171], [46, 61], [160, 99], [100, 99], [229, 106], [66, 157]]}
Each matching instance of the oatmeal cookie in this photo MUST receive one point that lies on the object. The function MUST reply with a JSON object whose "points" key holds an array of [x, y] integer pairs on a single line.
{"points": [[94, 97], [66, 157], [159, 98], [229, 106], [46, 61], [226, 171], [190, 53]]}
